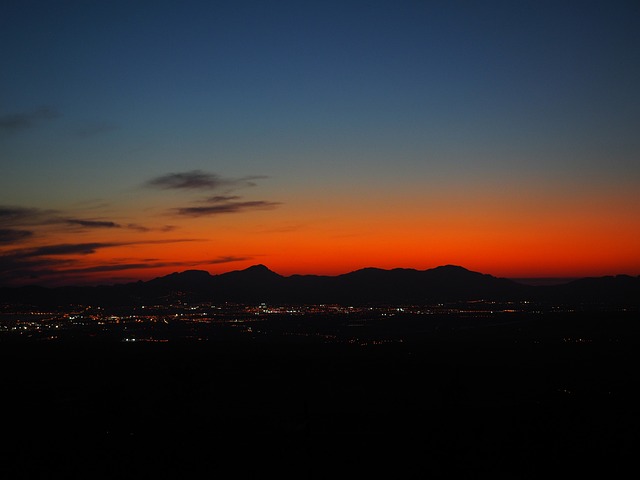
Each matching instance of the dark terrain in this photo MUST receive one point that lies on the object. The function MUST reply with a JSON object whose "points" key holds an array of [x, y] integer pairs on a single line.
{"points": [[520, 396], [366, 286], [477, 376]]}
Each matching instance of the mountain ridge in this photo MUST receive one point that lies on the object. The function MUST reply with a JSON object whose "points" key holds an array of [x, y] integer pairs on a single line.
{"points": [[257, 284]]}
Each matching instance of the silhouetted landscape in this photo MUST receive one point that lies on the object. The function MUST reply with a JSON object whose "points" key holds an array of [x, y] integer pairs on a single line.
{"points": [[376, 372], [202, 205], [367, 286]]}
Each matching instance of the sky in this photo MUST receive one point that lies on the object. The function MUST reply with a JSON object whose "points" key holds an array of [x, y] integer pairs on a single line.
{"points": [[140, 138]]}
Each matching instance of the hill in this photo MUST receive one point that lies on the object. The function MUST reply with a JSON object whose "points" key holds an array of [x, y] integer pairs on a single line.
{"points": [[258, 284]]}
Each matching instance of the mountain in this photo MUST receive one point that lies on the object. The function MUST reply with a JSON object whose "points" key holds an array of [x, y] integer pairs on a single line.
{"points": [[258, 284], [619, 290]]}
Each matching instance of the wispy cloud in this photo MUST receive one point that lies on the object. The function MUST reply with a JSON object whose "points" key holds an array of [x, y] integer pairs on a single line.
{"points": [[20, 259], [15, 267], [137, 227], [12, 213], [84, 248], [225, 259], [230, 207], [217, 204], [62, 249], [60, 259], [195, 179], [25, 120], [91, 223], [117, 267], [8, 235], [14, 216], [221, 198], [199, 180]]}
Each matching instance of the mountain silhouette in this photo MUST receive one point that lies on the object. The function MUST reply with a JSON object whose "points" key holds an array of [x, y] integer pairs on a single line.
{"points": [[258, 284]]}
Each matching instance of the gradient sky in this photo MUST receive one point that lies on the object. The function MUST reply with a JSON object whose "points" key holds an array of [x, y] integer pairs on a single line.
{"points": [[141, 138]]}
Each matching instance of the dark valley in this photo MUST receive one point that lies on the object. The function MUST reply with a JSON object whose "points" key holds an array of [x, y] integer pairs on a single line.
{"points": [[443, 372]]}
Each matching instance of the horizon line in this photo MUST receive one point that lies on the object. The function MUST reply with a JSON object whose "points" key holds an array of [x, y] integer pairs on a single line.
{"points": [[531, 281]]}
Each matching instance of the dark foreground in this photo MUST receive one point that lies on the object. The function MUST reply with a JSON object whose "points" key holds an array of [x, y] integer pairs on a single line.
{"points": [[524, 399]]}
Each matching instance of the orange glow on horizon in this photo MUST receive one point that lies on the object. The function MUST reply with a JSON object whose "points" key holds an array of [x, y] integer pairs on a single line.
{"points": [[502, 234], [507, 252]]}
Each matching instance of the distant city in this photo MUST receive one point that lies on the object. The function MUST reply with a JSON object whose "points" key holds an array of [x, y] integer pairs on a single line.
{"points": [[194, 373], [204, 321]]}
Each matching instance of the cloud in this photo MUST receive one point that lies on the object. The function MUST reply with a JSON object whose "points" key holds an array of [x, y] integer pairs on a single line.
{"points": [[91, 223], [225, 259], [37, 264], [151, 263], [139, 228], [11, 213], [67, 249], [231, 207], [26, 120], [160, 242], [26, 260], [8, 235], [199, 180], [56, 259], [12, 267], [11, 216], [110, 224], [219, 204], [195, 179], [116, 267], [221, 198], [81, 248], [248, 181]]}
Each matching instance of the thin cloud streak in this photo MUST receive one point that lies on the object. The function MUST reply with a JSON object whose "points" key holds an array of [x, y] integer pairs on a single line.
{"points": [[92, 223], [139, 228], [51, 260], [67, 249], [225, 259], [119, 267], [22, 121], [195, 179], [114, 267], [199, 180], [9, 236], [80, 248], [12, 216], [221, 198], [16, 268], [233, 207]]}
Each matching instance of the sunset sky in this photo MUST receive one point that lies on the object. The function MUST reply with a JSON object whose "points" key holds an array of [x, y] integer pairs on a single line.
{"points": [[142, 138]]}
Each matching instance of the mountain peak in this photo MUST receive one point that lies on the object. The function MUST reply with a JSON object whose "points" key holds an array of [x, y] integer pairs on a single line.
{"points": [[451, 268], [259, 271], [258, 268]]}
